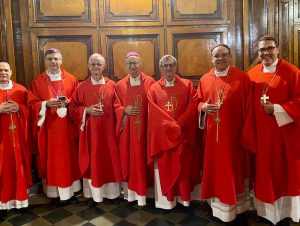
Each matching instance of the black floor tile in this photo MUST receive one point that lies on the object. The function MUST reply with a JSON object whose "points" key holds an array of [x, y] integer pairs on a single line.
{"points": [[90, 213], [159, 222], [123, 211], [57, 215], [191, 220], [124, 223], [23, 219]]}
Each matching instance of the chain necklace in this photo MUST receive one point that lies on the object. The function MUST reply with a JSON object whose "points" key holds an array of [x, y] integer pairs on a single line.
{"points": [[265, 86]]}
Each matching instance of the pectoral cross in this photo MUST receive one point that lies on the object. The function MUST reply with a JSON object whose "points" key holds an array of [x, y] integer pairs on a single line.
{"points": [[265, 98], [217, 120], [138, 120], [12, 128], [100, 105], [169, 106]]}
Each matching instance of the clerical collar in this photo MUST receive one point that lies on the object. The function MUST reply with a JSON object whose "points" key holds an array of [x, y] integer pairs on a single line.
{"points": [[135, 81], [222, 73], [170, 83], [54, 77], [6, 86], [271, 68], [100, 82]]}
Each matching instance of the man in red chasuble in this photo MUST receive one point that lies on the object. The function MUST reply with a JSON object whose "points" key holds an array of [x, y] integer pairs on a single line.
{"points": [[92, 108], [15, 148], [277, 115], [225, 116], [132, 109], [173, 140], [54, 132]]}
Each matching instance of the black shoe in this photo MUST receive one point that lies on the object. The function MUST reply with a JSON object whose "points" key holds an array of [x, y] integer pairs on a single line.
{"points": [[92, 203], [3, 214], [264, 221], [73, 200], [284, 222], [55, 202]]}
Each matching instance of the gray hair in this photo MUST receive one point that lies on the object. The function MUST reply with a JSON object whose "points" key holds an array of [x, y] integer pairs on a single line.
{"points": [[165, 58], [96, 55]]}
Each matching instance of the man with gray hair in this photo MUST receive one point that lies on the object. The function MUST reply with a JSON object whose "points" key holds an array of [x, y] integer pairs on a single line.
{"points": [[54, 132], [173, 142], [92, 108]]}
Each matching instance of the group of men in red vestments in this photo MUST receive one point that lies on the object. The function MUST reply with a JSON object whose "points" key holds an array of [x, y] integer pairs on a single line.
{"points": [[238, 132]]}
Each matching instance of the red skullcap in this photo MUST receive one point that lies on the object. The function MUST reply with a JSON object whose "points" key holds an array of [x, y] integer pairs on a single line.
{"points": [[130, 54]]}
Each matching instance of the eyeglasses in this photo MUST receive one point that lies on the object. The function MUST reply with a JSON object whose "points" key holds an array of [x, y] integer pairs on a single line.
{"points": [[53, 58], [133, 63], [223, 55], [168, 65], [97, 64], [268, 49]]}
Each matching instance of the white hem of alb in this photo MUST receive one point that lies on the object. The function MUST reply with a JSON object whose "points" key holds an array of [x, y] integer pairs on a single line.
{"points": [[42, 113], [109, 190], [62, 193], [162, 202], [132, 196], [284, 207], [18, 204]]}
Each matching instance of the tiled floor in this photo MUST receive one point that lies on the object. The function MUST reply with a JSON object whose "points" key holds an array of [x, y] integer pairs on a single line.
{"points": [[112, 213]]}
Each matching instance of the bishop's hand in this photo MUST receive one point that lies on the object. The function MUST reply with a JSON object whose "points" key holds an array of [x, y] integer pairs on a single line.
{"points": [[209, 108], [132, 110], [268, 107], [9, 107], [94, 110], [53, 103]]}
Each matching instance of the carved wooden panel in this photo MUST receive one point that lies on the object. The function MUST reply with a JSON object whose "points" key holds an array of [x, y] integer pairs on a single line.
{"points": [[115, 44], [260, 18], [58, 13], [7, 47], [131, 12], [196, 11], [297, 45], [297, 11], [76, 47], [192, 47]]}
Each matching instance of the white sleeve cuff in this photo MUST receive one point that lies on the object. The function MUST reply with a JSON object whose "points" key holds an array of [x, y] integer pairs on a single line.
{"points": [[282, 117], [42, 114], [83, 120]]}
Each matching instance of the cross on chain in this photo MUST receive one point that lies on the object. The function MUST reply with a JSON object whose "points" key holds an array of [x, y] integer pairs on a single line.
{"points": [[138, 120], [265, 98], [12, 128]]}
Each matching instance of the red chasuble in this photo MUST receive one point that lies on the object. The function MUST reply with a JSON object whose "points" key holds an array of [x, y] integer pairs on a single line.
{"points": [[57, 152], [172, 136], [278, 153], [15, 147], [99, 157], [226, 163], [132, 135]]}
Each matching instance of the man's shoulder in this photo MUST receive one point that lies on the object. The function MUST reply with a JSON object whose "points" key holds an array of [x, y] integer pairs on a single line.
{"points": [[19, 87], [69, 75], [288, 66]]}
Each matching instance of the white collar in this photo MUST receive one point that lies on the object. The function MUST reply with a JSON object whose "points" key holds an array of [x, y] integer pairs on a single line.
{"points": [[170, 83], [221, 73], [271, 68], [6, 86], [135, 81], [54, 77], [100, 82]]}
